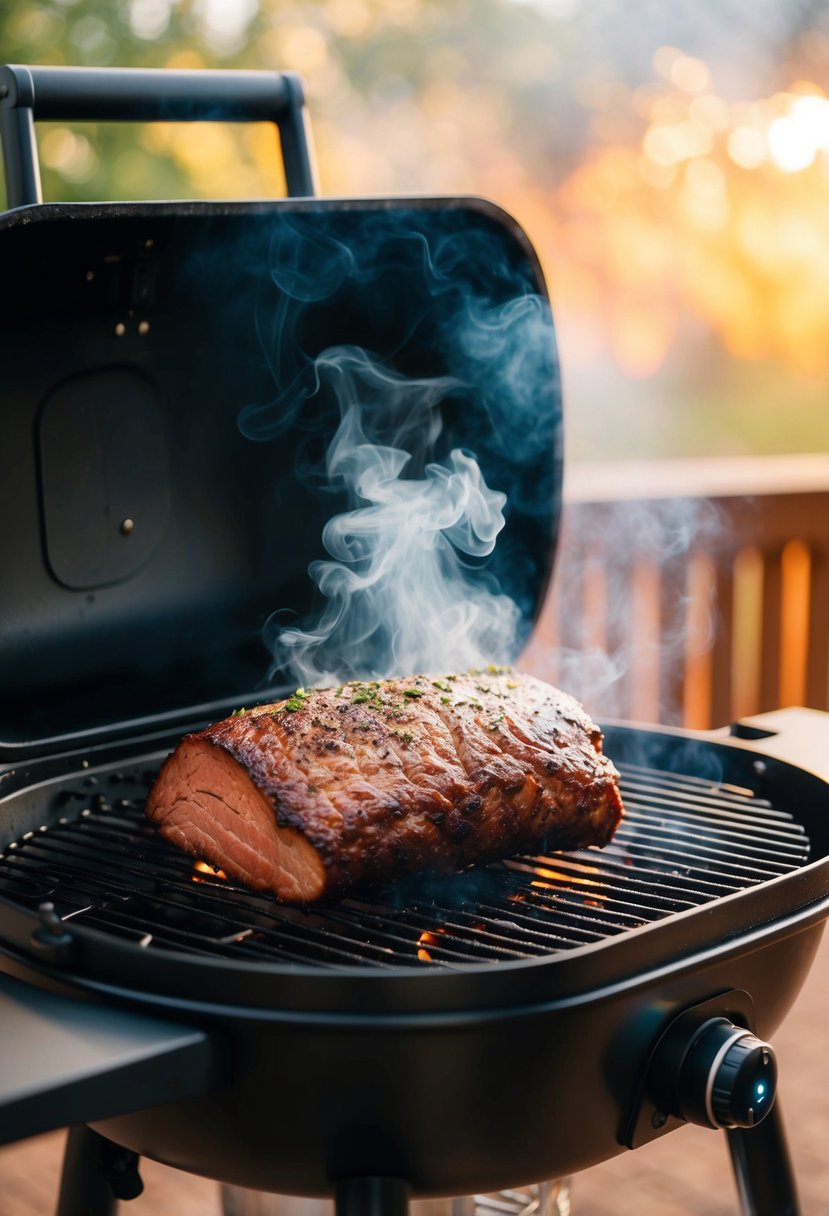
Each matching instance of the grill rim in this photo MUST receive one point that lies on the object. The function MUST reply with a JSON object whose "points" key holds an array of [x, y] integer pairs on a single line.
{"points": [[734, 922], [390, 999], [88, 856]]}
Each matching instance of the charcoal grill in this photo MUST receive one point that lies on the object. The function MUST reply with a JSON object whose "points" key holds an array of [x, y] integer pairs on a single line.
{"points": [[363, 1049]]}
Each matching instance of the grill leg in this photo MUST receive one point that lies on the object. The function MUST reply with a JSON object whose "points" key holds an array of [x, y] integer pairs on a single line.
{"points": [[762, 1168], [96, 1173], [370, 1197]]}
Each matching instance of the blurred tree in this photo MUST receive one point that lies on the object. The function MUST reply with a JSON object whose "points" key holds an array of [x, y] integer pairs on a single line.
{"points": [[654, 153], [389, 83]]}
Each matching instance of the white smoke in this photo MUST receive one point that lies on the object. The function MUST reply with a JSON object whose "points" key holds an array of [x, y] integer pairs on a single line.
{"points": [[403, 590], [628, 609]]}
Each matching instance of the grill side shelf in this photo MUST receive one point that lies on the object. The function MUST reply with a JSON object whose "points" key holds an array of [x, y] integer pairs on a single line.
{"points": [[69, 1062]]}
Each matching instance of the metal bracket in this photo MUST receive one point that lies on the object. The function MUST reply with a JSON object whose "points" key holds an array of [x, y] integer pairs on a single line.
{"points": [[51, 941]]}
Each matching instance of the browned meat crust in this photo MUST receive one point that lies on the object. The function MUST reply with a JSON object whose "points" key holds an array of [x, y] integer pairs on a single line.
{"points": [[336, 788]]}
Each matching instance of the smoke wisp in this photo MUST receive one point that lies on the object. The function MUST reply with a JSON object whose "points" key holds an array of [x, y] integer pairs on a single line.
{"points": [[402, 590], [415, 391]]}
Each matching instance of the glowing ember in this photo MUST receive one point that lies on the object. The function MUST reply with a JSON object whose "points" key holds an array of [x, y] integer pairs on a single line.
{"points": [[201, 868], [578, 876], [427, 938], [562, 876]]}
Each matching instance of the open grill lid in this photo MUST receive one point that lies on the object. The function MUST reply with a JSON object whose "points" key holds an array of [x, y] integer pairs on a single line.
{"points": [[165, 416], [147, 539]]}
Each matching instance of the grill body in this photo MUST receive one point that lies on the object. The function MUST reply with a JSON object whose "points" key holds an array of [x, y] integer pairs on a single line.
{"points": [[454, 1105], [455, 1073]]}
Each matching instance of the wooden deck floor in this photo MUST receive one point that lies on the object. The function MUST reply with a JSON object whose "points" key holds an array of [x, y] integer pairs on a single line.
{"points": [[684, 1174]]}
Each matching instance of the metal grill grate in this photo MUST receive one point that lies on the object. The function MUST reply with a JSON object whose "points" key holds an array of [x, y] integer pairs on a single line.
{"points": [[682, 843]]}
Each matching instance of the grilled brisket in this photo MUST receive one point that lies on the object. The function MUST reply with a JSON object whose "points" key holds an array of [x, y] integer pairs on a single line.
{"points": [[336, 788]]}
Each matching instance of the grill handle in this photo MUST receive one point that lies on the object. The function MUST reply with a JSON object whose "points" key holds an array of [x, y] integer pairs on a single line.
{"points": [[147, 95]]}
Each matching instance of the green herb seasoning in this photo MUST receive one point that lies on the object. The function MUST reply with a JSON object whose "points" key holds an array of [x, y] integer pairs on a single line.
{"points": [[296, 701]]}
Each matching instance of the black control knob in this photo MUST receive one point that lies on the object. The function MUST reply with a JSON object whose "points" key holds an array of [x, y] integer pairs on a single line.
{"points": [[714, 1073], [744, 1083]]}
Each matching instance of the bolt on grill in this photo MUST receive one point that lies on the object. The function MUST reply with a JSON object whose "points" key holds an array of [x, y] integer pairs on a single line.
{"points": [[682, 843]]}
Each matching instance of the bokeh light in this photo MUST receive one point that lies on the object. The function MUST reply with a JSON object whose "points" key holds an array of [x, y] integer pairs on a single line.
{"points": [[675, 188]]}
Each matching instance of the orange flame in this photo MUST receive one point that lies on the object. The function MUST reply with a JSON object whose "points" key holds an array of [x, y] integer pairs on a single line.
{"points": [[427, 938], [562, 876], [567, 878], [205, 868]]}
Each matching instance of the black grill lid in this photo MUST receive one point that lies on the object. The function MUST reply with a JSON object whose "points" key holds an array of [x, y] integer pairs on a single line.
{"points": [[146, 538]]}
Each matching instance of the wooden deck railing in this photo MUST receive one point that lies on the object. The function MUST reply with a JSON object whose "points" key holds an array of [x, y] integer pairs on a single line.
{"points": [[691, 592]]}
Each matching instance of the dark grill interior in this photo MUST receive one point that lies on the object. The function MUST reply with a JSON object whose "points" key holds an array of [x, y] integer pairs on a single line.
{"points": [[683, 842]]}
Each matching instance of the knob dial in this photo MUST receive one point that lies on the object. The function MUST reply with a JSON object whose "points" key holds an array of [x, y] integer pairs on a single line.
{"points": [[744, 1083], [714, 1073]]}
